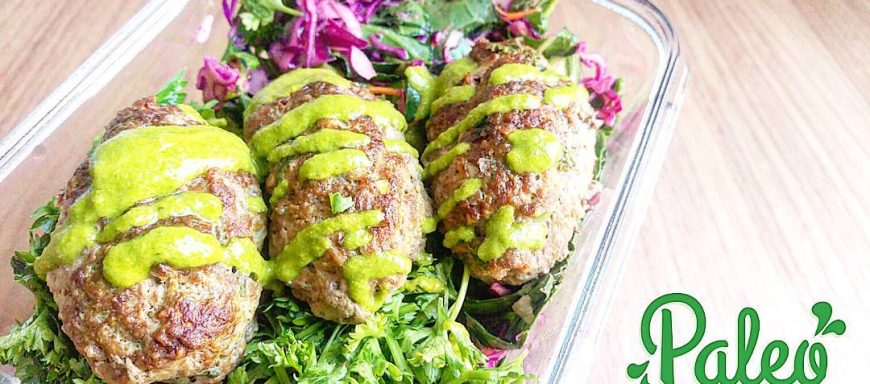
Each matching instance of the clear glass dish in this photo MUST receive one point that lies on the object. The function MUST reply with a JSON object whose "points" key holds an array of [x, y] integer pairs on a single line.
{"points": [[42, 151]]}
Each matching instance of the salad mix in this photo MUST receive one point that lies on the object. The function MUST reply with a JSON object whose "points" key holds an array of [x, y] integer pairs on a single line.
{"points": [[442, 327]]}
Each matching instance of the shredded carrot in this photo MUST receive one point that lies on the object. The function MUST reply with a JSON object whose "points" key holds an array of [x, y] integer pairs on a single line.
{"points": [[385, 91], [511, 16]]}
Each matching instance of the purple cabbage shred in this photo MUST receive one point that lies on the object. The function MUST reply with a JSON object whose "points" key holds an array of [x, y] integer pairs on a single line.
{"points": [[523, 27], [600, 86], [493, 356], [381, 46], [216, 80], [230, 7]]}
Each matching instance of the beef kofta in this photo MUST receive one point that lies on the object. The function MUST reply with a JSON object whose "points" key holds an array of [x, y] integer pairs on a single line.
{"points": [[510, 159], [349, 210], [157, 246]]}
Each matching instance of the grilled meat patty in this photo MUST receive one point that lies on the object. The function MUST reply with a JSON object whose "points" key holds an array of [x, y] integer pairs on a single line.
{"points": [[510, 159], [348, 203], [178, 325]]}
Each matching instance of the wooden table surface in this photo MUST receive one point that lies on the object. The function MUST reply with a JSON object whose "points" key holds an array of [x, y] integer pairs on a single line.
{"points": [[764, 198], [763, 201]]}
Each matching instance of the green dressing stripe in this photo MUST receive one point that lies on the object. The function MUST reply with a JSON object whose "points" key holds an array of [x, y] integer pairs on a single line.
{"points": [[312, 242], [325, 165], [461, 234], [339, 107], [522, 72], [421, 81], [502, 233], [452, 73], [563, 97], [533, 150], [430, 224], [356, 239], [290, 82], [130, 262], [453, 95], [279, 192], [426, 284], [255, 204], [203, 205], [400, 146], [324, 140], [479, 113], [442, 162], [467, 189], [360, 270]]}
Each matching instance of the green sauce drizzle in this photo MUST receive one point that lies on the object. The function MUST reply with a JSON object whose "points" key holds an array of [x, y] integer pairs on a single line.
{"points": [[442, 162], [475, 116], [521, 72], [563, 97], [191, 112], [331, 164], [452, 73], [459, 234], [533, 150], [74, 236], [400, 146], [356, 239], [130, 262], [324, 140], [147, 162], [339, 107], [255, 204], [293, 81], [310, 243], [426, 284], [360, 270], [279, 192], [453, 95], [422, 81], [467, 189], [203, 205], [382, 186], [502, 232], [430, 224], [135, 166]]}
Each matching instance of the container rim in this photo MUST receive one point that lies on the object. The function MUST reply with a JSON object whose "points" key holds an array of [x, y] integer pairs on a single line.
{"points": [[656, 126], [89, 78]]}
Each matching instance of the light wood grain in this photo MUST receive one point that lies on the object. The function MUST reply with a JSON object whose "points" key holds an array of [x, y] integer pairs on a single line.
{"points": [[43, 42], [764, 199]]}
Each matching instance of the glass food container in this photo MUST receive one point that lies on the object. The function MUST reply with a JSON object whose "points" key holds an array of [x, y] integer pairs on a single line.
{"points": [[39, 155]]}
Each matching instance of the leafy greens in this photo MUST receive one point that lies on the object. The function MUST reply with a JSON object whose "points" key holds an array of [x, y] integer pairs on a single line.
{"points": [[39, 350], [414, 338]]}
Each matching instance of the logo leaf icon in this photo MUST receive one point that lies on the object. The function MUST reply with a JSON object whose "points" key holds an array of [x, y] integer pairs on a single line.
{"points": [[822, 310], [636, 370], [837, 327]]}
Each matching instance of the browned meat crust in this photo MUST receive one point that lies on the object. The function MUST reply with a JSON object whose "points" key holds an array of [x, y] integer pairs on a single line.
{"points": [[557, 193], [405, 205], [180, 325]]}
